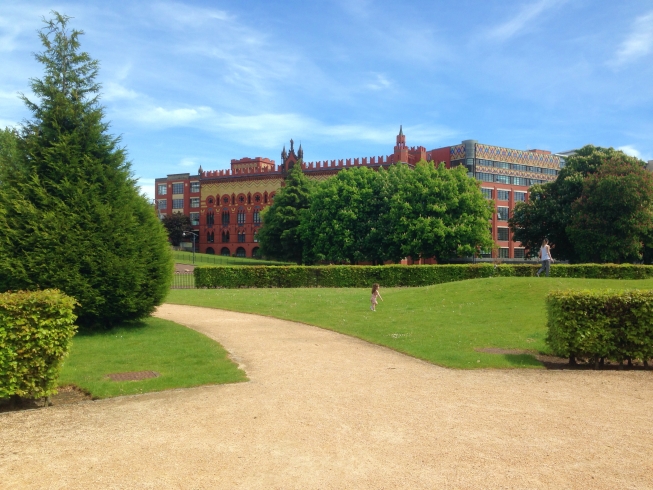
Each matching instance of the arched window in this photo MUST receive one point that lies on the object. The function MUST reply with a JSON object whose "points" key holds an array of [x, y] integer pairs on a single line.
{"points": [[225, 217], [225, 236], [257, 198], [210, 217], [241, 216], [233, 199], [210, 237], [265, 197], [241, 237], [240, 252], [241, 199], [225, 200], [249, 198], [210, 251], [256, 253], [257, 216], [225, 251]]}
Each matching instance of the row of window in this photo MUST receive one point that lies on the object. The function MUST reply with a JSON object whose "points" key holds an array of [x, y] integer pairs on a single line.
{"points": [[504, 253], [226, 237], [177, 188], [503, 195], [516, 166], [507, 179]]}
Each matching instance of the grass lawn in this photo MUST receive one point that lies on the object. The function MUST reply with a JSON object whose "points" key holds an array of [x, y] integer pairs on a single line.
{"points": [[208, 259], [181, 356], [442, 324]]}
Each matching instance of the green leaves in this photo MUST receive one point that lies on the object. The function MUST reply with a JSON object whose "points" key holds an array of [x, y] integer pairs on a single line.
{"points": [[35, 333], [595, 324], [71, 216]]}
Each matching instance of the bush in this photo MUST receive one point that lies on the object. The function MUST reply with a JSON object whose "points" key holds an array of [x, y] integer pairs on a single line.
{"points": [[603, 324], [35, 332], [394, 275]]}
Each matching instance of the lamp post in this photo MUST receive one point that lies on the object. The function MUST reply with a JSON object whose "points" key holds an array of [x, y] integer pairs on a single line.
{"points": [[194, 235]]}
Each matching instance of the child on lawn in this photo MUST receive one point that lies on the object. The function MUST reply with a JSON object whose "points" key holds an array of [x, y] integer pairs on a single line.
{"points": [[375, 294]]}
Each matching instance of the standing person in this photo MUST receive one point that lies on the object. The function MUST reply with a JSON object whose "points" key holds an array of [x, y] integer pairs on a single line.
{"points": [[375, 294], [545, 256]]}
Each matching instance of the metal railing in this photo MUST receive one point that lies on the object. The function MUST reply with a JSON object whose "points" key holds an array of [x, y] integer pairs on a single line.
{"points": [[183, 280]]}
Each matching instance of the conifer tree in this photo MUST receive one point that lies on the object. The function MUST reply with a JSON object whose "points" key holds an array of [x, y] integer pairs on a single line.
{"points": [[280, 236], [71, 215]]}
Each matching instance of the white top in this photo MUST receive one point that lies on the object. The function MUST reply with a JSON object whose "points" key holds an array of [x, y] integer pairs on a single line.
{"points": [[544, 252]]}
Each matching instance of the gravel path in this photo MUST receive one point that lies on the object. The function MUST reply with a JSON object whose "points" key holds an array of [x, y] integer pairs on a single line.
{"points": [[325, 411]]}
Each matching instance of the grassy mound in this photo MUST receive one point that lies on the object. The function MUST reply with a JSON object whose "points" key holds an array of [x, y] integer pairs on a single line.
{"points": [[443, 324]]}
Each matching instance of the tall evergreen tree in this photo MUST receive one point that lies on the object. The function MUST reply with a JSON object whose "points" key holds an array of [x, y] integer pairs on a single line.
{"points": [[279, 236], [71, 215]]}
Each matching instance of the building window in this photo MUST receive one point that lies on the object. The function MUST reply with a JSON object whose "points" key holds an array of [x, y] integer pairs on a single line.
{"points": [[163, 204], [256, 253], [485, 177], [503, 234], [225, 252], [210, 237], [519, 253], [162, 189], [210, 218], [194, 186], [178, 188], [194, 202], [257, 198], [486, 254], [503, 179], [519, 181], [240, 252], [257, 217], [502, 213], [225, 237], [256, 237], [503, 195], [503, 253], [241, 237], [502, 165], [487, 193], [195, 219], [177, 204], [225, 217], [520, 196], [241, 217]]}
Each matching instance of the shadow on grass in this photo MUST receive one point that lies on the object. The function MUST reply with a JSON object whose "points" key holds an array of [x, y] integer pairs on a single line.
{"points": [[132, 326], [524, 358]]}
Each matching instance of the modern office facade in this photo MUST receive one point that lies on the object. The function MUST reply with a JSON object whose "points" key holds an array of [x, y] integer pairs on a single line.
{"points": [[225, 205]]}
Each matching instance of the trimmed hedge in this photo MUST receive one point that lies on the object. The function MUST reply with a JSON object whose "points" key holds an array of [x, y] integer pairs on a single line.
{"points": [[601, 324], [36, 328], [346, 276]]}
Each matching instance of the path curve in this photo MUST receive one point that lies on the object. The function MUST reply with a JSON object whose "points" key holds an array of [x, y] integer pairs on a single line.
{"points": [[326, 411]]}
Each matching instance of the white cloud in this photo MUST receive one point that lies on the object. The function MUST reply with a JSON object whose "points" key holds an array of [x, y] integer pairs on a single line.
{"points": [[115, 91], [146, 186], [639, 42], [630, 150], [188, 162], [525, 17]]}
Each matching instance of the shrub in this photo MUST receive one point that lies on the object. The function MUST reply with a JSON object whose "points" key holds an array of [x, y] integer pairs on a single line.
{"points": [[394, 275], [35, 332], [601, 324]]}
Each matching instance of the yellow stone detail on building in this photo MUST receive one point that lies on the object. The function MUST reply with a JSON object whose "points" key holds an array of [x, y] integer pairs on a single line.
{"points": [[216, 189]]}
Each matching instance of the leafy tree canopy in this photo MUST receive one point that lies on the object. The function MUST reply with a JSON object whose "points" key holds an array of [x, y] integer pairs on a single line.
{"points": [[564, 212], [176, 224], [279, 235], [72, 218]]}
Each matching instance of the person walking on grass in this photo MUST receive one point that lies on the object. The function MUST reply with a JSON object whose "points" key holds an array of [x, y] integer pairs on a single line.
{"points": [[375, 295], [545, 256]]}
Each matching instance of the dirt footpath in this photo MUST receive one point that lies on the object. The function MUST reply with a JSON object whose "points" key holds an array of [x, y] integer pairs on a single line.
{"points": [[325, 411]]}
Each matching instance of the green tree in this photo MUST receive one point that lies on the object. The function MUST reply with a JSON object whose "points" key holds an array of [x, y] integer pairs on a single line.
{"points": [[346, 216], [612, 220], [73, 217], [279, 236], [441, 213], [176, 224], [550, 210], [9, 149]]}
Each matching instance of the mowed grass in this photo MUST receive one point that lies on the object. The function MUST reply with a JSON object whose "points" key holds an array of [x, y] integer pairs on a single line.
{"points": [[181, 356], [443, 324], [181, 257]]}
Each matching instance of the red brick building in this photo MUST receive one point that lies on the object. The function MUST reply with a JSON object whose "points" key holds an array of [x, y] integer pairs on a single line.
{"points": [[225, 205]]}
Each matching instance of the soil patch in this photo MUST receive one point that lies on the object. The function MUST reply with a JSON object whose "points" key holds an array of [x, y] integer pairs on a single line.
{"points": [[184, 268], [67, 395]]}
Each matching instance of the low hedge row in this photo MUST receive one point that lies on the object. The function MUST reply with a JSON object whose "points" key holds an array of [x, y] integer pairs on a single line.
{"points": [[36, 328], [343, 276], [601, 324]]}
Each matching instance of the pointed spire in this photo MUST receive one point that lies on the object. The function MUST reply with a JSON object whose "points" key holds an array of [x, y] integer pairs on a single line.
{"points": [[199, 172], [291, 143], [401, 130], [300, 152]]}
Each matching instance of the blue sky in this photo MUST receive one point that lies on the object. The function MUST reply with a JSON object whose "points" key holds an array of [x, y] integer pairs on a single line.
{"points": [[201, 82]]}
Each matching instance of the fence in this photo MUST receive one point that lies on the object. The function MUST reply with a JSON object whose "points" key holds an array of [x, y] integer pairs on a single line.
{"points": [[183, 280]]}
